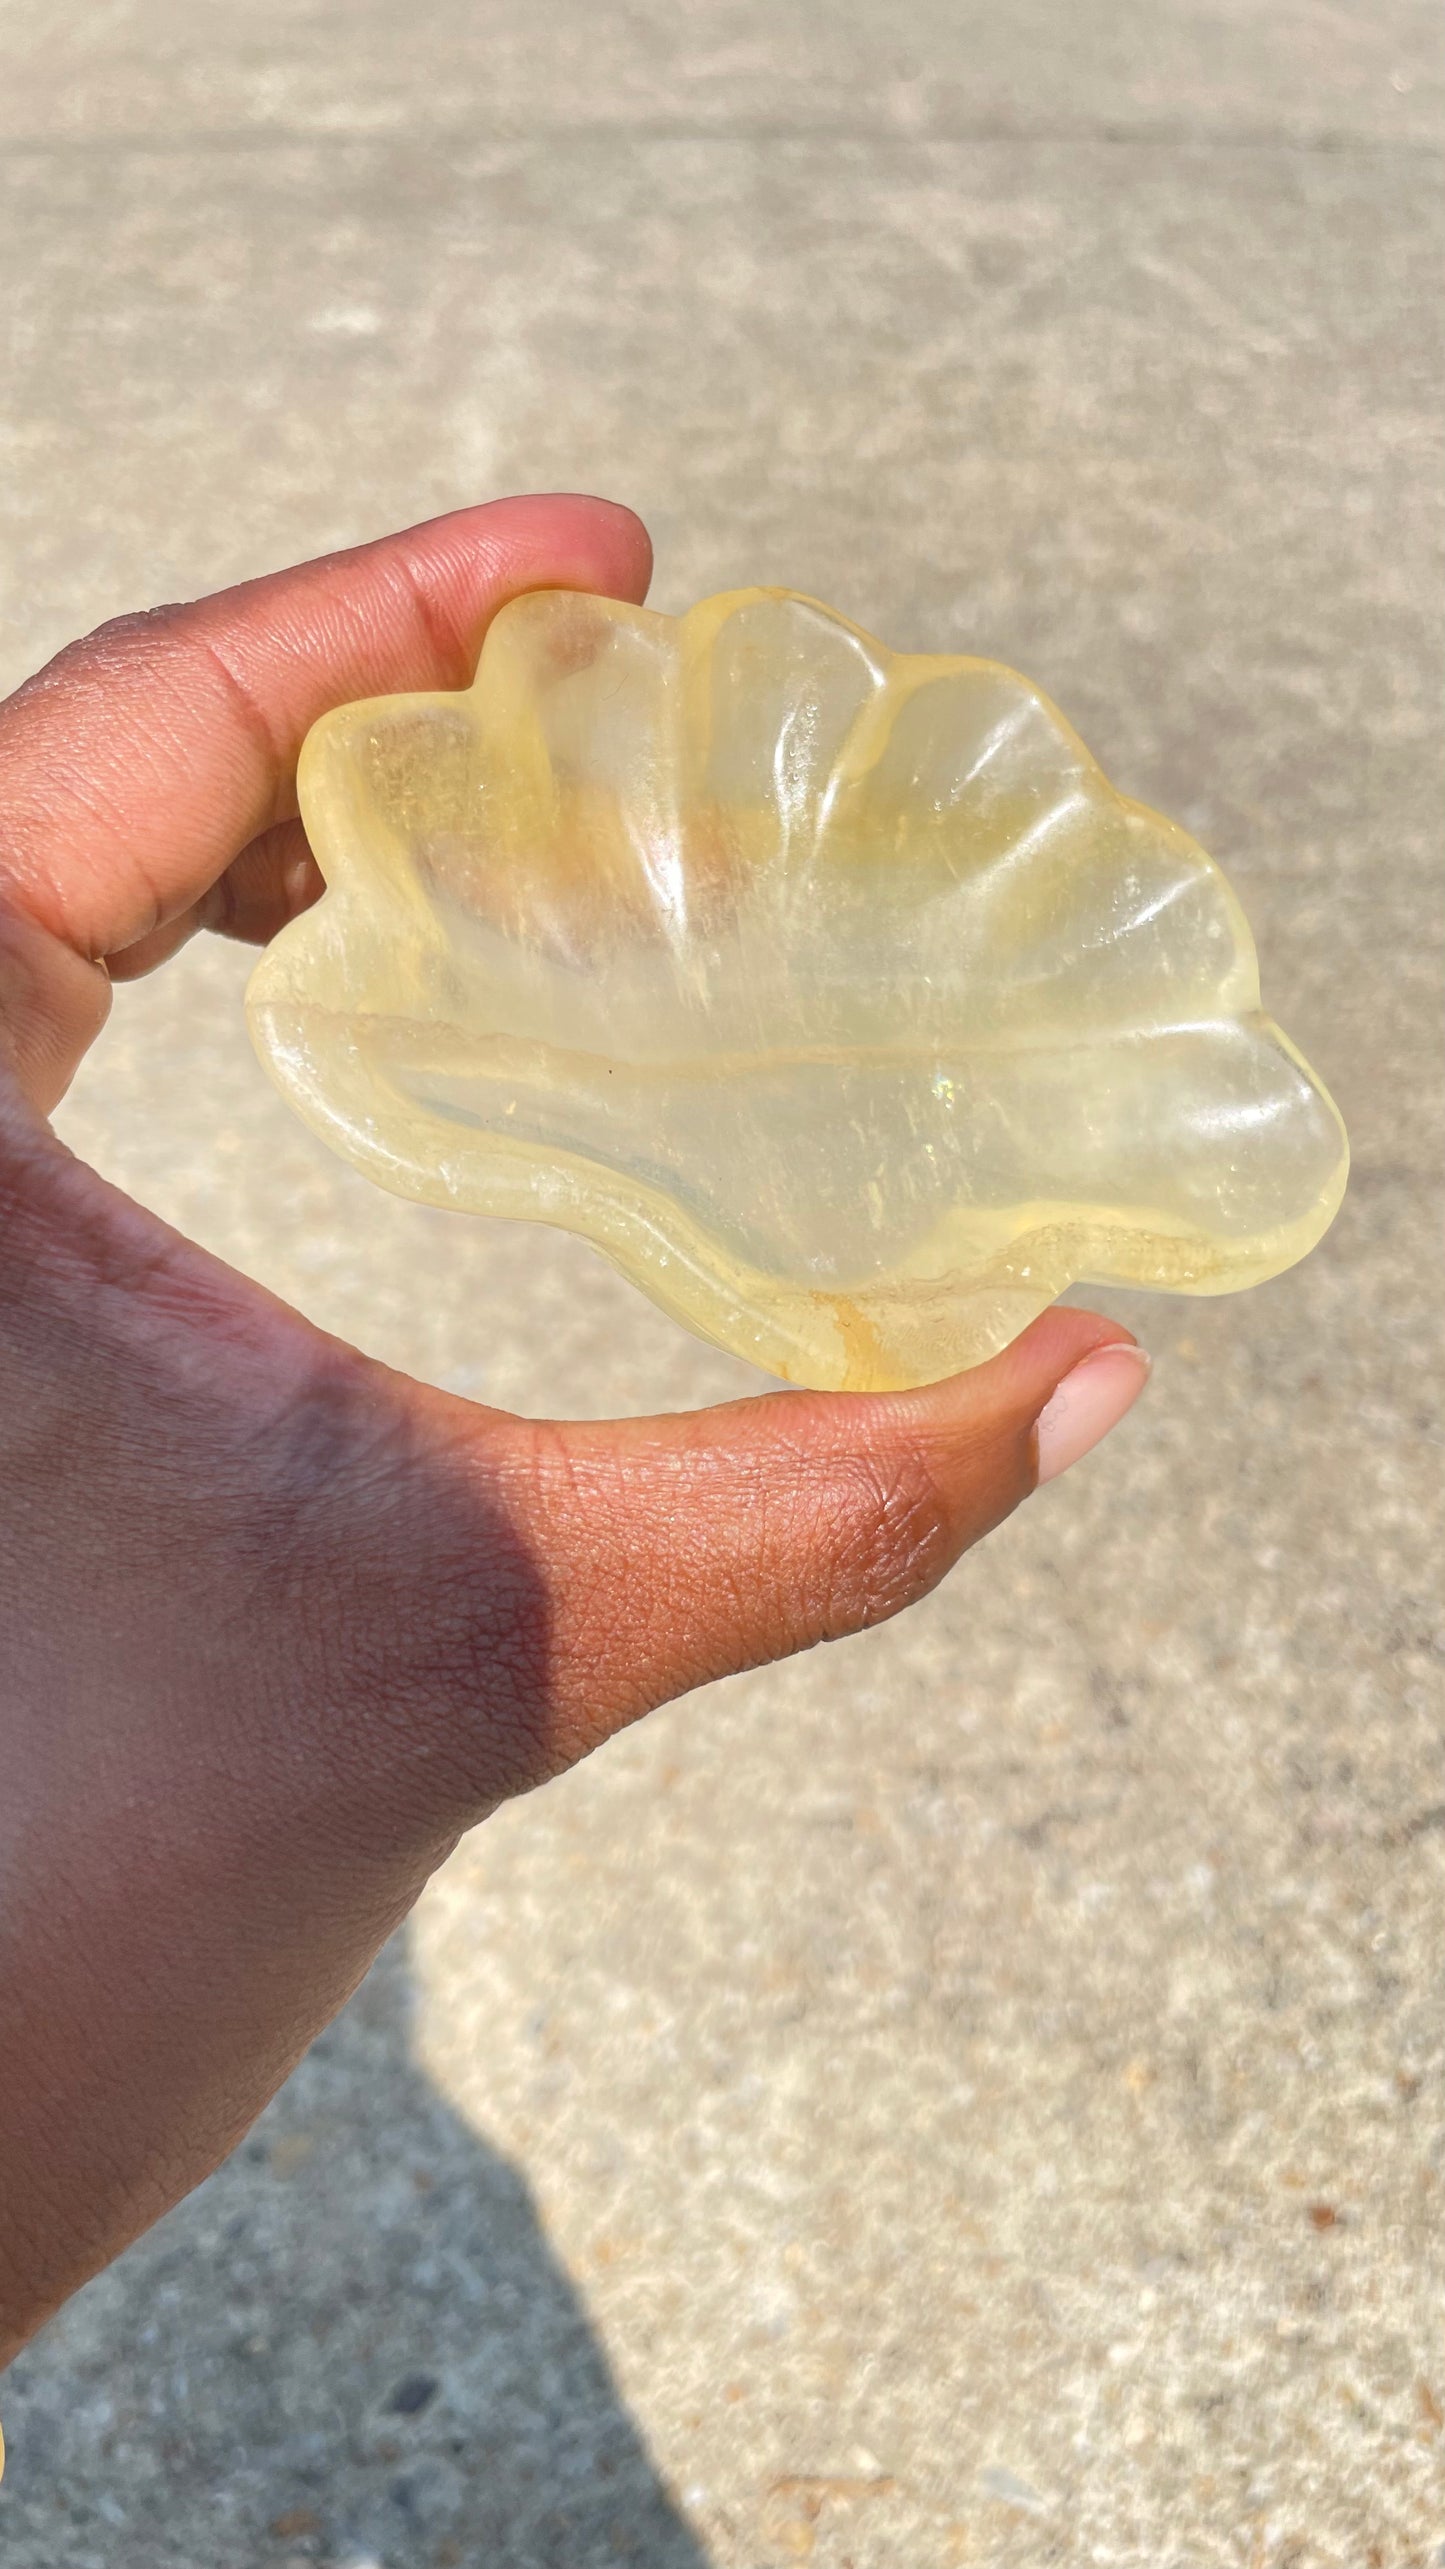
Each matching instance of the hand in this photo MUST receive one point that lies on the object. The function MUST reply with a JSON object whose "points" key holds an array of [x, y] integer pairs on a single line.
{"points": [[276, 1624]]}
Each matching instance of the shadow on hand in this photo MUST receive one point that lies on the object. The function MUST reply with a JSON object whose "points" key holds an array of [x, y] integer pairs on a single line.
{"points": [[352, 2346]]}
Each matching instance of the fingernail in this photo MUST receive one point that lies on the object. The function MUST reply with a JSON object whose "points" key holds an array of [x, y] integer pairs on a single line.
{"points": [[1087, 1403], [302, 884]]}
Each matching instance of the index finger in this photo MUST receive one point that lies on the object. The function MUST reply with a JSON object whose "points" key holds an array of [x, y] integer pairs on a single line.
{"points": [[138, 763]]}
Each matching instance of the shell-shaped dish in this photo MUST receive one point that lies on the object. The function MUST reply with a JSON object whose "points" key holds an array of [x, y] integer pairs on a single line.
{"points": [[834, 993]]}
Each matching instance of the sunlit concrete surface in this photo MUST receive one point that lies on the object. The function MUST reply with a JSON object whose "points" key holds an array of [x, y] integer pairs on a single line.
{"points": [[976, 2095]]}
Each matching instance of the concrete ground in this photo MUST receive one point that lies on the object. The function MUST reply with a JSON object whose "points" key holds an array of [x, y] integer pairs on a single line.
{"points": [[976, 2095]]}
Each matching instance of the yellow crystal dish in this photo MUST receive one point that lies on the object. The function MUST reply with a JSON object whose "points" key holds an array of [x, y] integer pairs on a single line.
{"points": [[834, 993]]}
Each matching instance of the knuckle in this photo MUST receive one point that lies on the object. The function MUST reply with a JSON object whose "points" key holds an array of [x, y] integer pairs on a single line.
{"points": [[118, 637], [94, 657], [452, 1688], [887, 1541], [429, 1615]]}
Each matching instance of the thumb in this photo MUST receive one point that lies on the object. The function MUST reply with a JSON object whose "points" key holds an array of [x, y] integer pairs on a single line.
{"points": [[683, 1549]]}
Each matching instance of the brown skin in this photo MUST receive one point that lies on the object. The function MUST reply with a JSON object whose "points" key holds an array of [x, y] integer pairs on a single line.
{"points": [[276, 1624]]}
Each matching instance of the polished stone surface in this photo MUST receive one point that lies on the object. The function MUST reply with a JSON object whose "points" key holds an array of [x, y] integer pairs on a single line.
{"points": [[976, 2095], [831, 991]]}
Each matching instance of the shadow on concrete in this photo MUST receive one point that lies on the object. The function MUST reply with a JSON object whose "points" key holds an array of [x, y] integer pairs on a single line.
{"points": [[354, 2345]]}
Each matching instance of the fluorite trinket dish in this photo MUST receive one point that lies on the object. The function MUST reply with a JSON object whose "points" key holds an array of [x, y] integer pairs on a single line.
{"points": [[834, 993]]}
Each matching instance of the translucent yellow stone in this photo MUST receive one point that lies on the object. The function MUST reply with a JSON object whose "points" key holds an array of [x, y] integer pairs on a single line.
{"points": [[834, 993]]}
